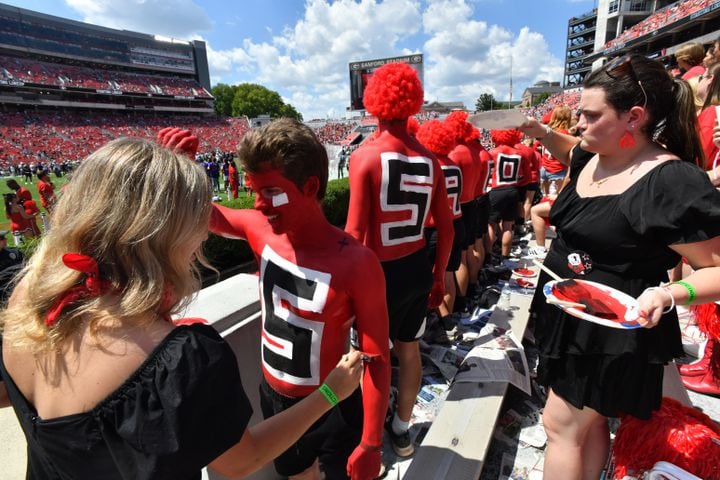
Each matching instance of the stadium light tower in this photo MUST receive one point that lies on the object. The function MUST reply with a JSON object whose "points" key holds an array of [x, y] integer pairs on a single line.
{"points": [[511, 62]]}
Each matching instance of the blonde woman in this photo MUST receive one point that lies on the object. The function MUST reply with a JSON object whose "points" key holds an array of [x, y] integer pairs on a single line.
{"points": [[690, 58], [103, 383]]}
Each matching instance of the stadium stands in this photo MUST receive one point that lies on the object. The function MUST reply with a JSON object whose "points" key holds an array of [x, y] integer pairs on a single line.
{"points": [[27, 137], [333, 133], [64, 76], [665, 16], [569, 98]]}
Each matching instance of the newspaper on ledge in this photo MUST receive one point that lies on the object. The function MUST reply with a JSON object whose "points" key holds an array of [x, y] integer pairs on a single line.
{"points": [[497, 356]]}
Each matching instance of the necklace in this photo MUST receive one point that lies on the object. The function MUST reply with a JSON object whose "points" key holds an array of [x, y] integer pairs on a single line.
{"points": [[598, 183], [631, 169]]}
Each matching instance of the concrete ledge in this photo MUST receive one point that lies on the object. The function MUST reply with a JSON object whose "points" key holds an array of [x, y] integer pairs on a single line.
{"points": [[458, 440]]}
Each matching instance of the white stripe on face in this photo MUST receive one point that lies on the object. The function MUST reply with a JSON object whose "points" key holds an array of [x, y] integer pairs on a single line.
{"points": [[279, 200]]}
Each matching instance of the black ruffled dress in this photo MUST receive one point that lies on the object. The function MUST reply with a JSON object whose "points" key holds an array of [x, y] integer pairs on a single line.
{"points": [[180, 410], [623, 242]]}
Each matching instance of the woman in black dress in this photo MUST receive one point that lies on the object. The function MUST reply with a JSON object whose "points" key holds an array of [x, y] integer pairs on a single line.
{"points": [[104, 384], [636, 202]]}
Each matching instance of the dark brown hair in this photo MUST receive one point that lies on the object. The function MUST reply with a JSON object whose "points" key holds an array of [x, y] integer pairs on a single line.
{"points": [[671, 117], [290, 146]]}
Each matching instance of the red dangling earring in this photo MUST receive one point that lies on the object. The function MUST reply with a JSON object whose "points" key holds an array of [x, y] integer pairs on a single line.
{"points": [[627, 141]]}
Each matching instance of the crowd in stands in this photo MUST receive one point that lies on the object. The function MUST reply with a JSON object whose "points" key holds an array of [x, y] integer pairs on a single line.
{"points": [[332, 133], [29, 137], [569, 98], [665, 16], [57, 75]]}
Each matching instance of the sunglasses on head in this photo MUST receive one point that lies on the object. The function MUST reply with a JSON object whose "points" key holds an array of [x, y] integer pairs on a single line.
{"points": [[622, 67]]}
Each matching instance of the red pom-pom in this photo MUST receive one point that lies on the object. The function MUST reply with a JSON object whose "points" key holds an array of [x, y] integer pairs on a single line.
{"points": [[681, 435], [708, 319], [436, 136], [394, 92], [412, 126], [506, 137]]}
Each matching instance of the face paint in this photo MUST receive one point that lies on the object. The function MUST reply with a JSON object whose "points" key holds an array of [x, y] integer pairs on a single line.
{"points": [[279, 200]]}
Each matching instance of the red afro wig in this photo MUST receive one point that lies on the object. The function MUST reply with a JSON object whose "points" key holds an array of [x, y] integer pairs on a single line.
{"points": [[473, 134], [506, 137], [412, 126], [436, 136], [708, 319], [457, 121], [394, 92], [677, 434]]}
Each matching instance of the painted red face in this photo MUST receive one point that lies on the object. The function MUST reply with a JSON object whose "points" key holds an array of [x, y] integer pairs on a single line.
{"points": [[278, 198]]}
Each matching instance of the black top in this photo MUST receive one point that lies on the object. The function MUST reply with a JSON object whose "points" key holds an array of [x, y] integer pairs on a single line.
{"points": [[626, 238], [181, 409]]}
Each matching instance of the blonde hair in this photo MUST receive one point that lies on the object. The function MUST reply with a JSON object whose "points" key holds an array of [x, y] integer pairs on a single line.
{"points": [[692, 53], [560, 118], [134, 207]]}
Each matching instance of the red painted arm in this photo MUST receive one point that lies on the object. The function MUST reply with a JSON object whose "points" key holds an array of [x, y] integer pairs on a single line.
{"points": [[368, 292], [231, 223], [359, 207], [442, 215]]}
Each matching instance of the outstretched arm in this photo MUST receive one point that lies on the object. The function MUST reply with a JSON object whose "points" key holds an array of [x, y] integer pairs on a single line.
{"points": [[371, 318], [268, 439], [445, 232], [558, 144], [231, 223]]}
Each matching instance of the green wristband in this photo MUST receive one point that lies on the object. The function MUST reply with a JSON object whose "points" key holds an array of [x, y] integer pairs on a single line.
{"points": [[329, 394], [690, 290]]}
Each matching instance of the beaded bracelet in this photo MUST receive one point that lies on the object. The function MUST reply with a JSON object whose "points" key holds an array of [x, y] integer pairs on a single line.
{"points": [[329, 394], [690, 290], [666, 290]]}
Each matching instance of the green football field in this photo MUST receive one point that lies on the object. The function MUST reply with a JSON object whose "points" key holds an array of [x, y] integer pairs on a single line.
{"points": [[32, 186]]}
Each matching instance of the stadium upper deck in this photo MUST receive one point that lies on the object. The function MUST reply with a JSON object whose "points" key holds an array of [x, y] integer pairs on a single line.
{"points": [[53, 62]]}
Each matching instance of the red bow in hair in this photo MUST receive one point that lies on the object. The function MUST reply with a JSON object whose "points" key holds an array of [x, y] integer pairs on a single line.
{"points": [[93, 286]]}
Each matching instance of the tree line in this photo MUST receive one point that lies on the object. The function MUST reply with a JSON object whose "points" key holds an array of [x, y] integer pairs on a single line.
{"points": [[251, 100]]}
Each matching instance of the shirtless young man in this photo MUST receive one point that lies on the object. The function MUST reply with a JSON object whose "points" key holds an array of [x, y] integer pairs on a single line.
{"points": [[315, 282]]}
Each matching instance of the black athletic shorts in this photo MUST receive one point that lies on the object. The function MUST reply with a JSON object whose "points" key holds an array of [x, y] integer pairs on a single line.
{"points": [[504, 204], [469, 216], [331, 439], [408, 281], [483, 215], [457, 246]]}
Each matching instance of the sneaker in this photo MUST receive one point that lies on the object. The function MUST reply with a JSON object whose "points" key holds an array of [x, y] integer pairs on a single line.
{"points": [[436, 334], [453, 334], [516, 252], [401, 444], [537, 252]]}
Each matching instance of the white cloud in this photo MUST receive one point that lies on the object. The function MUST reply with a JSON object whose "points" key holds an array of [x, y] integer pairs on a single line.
{"points": [[182, 19], [307, 62]]}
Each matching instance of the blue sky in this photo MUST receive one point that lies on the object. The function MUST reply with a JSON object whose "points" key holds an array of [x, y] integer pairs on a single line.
{"points": [[302, 48]]}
